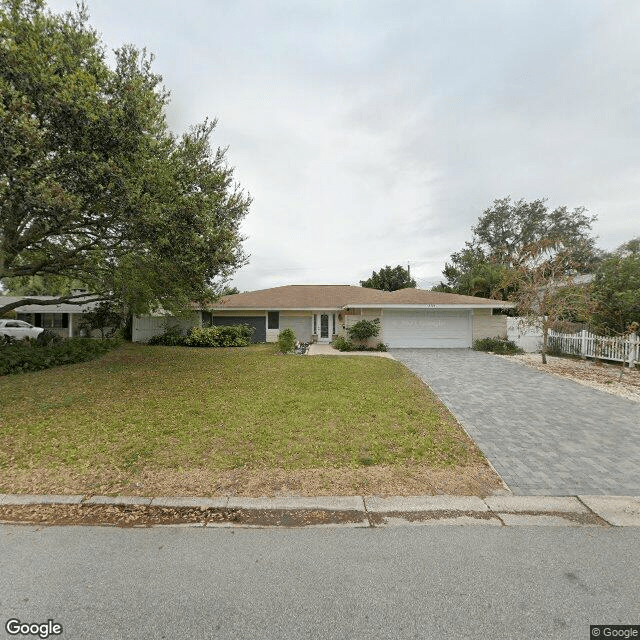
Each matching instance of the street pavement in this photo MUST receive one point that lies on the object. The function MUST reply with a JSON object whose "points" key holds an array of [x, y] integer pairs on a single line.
{"points": [[543, 435], [330, 583]]}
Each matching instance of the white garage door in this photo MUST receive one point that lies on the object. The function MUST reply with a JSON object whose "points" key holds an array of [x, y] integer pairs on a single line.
{"points": [[427, 328]]}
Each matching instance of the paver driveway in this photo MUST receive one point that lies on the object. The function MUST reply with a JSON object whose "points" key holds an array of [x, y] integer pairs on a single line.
{"points": [[544, 435]]}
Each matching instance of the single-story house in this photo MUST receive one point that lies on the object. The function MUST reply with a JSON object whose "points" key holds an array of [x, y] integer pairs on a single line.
{"points": [[64, 319], [319, 313]]}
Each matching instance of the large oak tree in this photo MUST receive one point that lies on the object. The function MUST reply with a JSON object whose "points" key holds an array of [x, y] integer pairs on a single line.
{"points": [[94, 188], [502, 241]]}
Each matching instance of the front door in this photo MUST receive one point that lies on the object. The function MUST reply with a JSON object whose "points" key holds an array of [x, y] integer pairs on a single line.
{"points": [[324, 328]]}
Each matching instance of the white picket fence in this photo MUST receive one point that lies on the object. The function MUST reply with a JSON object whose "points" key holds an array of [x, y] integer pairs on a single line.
{"points": [[589, 345]]}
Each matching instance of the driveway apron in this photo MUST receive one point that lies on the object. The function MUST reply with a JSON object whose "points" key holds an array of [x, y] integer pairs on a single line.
{"points": [[544, 435]]}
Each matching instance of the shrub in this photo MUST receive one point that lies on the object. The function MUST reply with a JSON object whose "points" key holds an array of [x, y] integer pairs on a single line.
{"points": [[107, 317], [47, 338], [18, 357], [286, 341], [342, 344], [554, 348], [237, 335], [364, 329], [172, 337], [497, 345]]}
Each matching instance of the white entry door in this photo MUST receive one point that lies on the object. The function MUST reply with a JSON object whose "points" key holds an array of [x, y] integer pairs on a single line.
{"points": [[324, 327]]}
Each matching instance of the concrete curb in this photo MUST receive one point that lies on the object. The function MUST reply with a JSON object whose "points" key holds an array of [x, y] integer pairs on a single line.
{"points": [[507, 510]]}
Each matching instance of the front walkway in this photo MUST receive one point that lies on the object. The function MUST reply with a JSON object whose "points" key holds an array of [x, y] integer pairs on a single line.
{"points": [[543, 435], [316, 349]]}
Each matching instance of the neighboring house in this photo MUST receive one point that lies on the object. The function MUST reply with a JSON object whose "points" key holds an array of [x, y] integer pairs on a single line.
{"points": [[63, 319], [318, 313]]}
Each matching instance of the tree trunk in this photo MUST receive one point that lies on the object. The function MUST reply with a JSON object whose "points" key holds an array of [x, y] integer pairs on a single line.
{"points": [[545, 338]]}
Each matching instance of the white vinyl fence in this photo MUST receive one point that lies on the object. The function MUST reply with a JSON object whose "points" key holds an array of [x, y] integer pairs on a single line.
{"points": [[589, 345]]}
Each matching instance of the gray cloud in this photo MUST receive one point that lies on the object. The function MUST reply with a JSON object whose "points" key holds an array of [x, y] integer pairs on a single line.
{"points": [[374, 133]]}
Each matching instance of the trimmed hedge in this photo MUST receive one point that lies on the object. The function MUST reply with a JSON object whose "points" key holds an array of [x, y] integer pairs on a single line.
{"points": [[497, 345], [237, 335], [170, 338], [342, 344], [28, 355]]}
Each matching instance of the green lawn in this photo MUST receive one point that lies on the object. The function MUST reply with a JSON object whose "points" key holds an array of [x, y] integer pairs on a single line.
{"points": [[181, 408]]}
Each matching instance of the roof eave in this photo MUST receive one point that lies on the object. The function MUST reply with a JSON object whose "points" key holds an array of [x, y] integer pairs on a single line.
{"points": [[336, 308], [423, 305]]}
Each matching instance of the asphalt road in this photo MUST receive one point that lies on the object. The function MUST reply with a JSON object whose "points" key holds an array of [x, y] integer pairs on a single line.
{"points": [[400, 582]]}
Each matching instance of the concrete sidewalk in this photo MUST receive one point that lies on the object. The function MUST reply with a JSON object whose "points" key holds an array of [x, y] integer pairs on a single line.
{"points": [[316, 349], [372, 511]]}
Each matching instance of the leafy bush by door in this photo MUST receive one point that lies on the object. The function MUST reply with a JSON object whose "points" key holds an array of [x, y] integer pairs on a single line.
{"points": [[364, 329]]}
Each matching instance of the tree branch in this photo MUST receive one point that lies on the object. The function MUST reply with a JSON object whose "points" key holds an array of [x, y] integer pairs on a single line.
{"points": [[51, 301]]}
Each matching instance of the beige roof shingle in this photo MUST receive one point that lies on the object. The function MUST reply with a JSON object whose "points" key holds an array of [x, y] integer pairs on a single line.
{"points": [[336, 296]]}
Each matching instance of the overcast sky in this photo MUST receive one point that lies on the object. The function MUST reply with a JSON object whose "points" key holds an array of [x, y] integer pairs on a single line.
{"points": [[373, 133]]}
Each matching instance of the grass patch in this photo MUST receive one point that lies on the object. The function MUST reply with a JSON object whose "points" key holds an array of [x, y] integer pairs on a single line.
{"points": [[177, 409]]}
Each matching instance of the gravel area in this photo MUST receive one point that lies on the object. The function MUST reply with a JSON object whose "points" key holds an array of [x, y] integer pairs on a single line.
{"points": [[595, 374]]}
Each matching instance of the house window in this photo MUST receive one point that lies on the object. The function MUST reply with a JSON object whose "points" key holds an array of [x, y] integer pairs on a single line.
{"points": [[55, 320], [273, 320], [335, 326]]}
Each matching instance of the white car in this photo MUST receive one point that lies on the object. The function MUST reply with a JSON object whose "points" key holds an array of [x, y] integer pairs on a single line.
{"points": [[19, 329]]}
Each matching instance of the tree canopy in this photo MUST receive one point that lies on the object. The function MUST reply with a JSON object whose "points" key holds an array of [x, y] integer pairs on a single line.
{"points": [[390, 279], [94, 188], [542, 291], [502, 241], [616, 290]]}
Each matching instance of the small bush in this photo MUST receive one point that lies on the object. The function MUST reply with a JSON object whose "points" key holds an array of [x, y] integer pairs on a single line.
{"points": [[47, 338], [497, 345], [172, 337], [286, 341], [22, 356], [364, 329], [342, 344], [554, 348], [381, 346]]}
